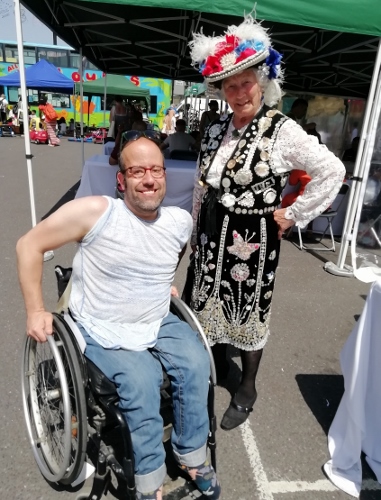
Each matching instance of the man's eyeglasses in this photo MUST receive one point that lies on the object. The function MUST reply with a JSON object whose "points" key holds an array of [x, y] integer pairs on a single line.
{"points": [[134, 135], [157, 172]]}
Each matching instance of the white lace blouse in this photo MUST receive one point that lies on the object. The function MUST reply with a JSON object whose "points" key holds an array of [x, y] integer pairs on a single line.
{"points": [[293, 149]]}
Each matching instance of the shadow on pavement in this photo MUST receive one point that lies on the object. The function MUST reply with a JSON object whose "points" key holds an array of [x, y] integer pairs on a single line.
{"points": [[322, 393], [68, 196]]}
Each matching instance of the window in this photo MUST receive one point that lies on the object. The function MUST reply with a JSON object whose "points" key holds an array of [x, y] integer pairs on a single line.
{"points": [[14, 93], [74, 60], [29, 56], [153, 106], [11, 54], [1, 52], [60, 100], [58, 57]]}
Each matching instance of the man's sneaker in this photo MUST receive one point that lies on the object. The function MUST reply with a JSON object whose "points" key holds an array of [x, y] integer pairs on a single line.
{"points": [[205, 478]]}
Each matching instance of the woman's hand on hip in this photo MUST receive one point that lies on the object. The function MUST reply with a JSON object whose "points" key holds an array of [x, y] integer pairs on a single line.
{"points": [[282, 222]]}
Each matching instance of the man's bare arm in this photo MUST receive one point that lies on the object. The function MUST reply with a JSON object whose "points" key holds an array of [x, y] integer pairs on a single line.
{"points": [[68, 224]]}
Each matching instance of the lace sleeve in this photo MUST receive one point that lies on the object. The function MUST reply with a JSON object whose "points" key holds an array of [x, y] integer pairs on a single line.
{"points": [[198, 192], [295, 149]]}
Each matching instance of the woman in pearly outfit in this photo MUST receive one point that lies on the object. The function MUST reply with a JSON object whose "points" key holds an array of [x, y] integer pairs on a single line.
{"points": [[244, 164]]}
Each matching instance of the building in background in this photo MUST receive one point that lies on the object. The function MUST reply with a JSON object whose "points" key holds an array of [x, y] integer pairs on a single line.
{"points": [[68, 62]]}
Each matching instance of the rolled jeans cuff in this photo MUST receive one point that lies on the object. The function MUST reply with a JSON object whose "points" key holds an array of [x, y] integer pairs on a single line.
{"points": [[146, 483], [193, 458]]}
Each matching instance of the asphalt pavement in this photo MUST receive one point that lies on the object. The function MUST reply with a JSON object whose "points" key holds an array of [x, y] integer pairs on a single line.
{"points": [[279, 452]]}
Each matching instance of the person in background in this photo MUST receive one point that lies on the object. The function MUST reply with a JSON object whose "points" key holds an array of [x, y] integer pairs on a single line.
{"points": [[298, 109], [62, 126], [180, 140], [119, 114], [197, 137], [3, 109], [310, 128], [209, 116], [114, 156], [351, 153], [35, 122], [137, 114], [50, 116], [169, 126], [243, 165]]}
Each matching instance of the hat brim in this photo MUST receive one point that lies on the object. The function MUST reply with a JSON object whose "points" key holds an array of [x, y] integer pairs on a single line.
{"points": [[237, 68]]}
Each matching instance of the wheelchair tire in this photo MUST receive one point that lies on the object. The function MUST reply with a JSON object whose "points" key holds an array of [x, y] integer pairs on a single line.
{"points": [[54, 404]]}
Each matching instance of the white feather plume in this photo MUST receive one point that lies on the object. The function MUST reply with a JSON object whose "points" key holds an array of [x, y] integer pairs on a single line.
{"points": [[250, 29], [203, 46]]}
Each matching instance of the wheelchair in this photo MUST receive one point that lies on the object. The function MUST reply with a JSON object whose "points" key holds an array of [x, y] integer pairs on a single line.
{"points": [[71, 409]]}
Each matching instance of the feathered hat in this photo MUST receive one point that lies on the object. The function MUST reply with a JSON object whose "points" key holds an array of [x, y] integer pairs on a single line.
{"points": [[241, 47]]}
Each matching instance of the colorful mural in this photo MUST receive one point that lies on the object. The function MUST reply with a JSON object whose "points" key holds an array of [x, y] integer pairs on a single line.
{"points": [[160, 89]]}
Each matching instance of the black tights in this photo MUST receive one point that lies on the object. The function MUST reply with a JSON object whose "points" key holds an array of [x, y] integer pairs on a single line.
{"points": [[250, 364]]}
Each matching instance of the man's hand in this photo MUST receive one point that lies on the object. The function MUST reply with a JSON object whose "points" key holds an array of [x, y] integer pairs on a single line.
{"points": [[174, 292], [283, 223], [39, 325]]}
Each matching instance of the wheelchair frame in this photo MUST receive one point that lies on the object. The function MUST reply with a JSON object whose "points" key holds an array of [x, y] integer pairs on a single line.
{"points": [[70, 405]]}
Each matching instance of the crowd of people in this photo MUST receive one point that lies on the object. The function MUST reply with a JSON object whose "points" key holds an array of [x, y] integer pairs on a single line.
{"points": [[129, 248]]}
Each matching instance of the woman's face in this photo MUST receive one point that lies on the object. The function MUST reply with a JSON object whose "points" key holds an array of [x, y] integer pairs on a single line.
{"points": [[243, 93]]}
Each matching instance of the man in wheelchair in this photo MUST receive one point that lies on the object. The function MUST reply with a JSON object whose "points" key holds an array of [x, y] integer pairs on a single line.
{"points": [[121, 283]]}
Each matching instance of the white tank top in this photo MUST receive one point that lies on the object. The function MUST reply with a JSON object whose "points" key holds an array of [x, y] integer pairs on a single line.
{"points": [[122, 275]]}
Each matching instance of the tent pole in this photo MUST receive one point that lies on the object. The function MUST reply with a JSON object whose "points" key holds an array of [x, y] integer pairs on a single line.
{"points": [[341, 269], [104, 103], [368, 153], [24, 96], [81, 104], [74, 113]]}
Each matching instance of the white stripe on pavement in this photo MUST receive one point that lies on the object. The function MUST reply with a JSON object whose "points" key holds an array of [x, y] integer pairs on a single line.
{"points": [[266, 488], [295, 486], [320, 485], [256, 463]]}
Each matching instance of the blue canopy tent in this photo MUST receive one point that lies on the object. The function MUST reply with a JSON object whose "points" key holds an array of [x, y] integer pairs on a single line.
{"points": [[41, 76]]}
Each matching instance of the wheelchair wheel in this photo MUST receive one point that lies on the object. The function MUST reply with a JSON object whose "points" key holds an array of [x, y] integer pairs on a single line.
{"points": [[55, 404]]}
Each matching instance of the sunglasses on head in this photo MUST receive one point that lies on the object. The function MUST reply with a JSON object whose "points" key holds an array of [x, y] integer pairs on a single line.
{"points": [[134, 135]]}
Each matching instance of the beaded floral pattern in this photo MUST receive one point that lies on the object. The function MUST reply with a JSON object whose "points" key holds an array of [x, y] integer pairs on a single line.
{"points": [[235, 268]]}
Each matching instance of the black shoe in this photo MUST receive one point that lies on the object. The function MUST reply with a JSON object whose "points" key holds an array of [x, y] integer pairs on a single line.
{"points": [[236, 414]]}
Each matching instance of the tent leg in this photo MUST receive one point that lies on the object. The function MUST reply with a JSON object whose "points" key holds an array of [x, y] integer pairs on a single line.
{"points": [[104, 104], [81, 109], [24, 103], [28, 153], [360, 169]]}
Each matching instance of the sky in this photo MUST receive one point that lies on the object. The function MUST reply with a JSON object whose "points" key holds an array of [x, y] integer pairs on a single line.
{"points": [[33, 30]]}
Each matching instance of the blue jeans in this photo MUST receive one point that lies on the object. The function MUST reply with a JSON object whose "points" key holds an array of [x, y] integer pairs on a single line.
{"points": [[138, 376]]}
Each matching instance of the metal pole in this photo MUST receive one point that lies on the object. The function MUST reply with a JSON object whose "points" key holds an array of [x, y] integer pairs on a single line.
{"points": [[104, 102], [24, 97], [340, 269], [368, 153], [81, 104], [74, 113]]}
